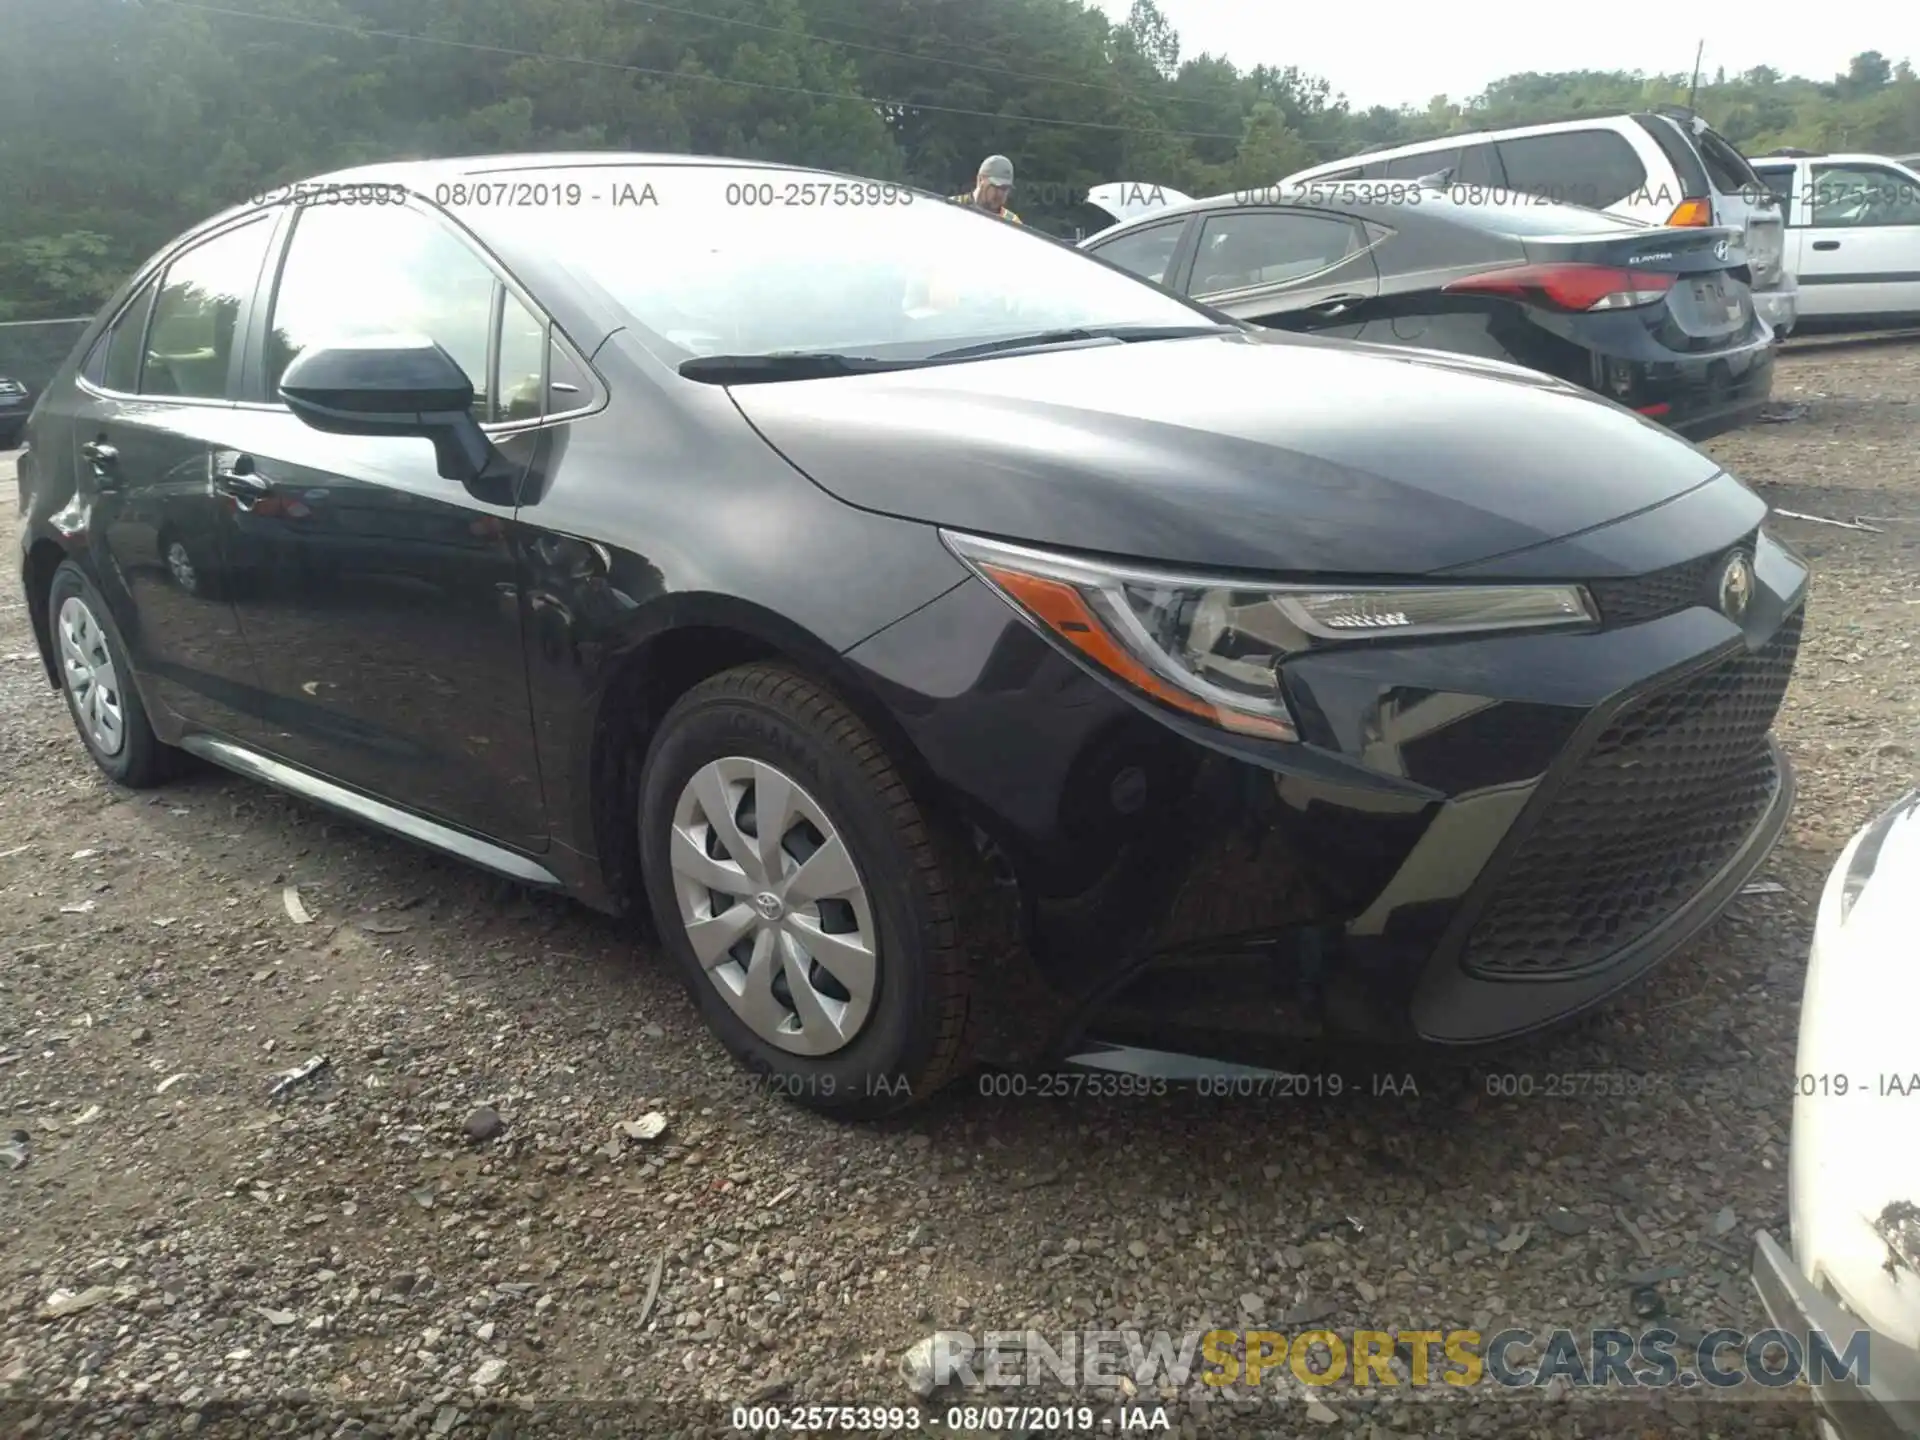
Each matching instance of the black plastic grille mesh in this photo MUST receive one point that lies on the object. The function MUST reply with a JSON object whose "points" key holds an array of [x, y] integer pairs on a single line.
{"points": [[1647, 597], [1656, 807]]}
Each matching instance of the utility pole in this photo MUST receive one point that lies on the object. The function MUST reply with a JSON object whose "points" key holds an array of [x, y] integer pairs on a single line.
{"points": [[1694, 87]]}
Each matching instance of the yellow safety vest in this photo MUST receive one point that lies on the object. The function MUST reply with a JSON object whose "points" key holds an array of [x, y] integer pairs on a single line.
{"points": [[968, 200]]}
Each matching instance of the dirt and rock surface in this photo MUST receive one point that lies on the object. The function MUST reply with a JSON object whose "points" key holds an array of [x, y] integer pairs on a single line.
{"points": [[447, 1230]]}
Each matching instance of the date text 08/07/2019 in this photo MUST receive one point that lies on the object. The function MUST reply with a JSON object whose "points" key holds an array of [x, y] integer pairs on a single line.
{"points": [[963, 1419], [766, 195]]}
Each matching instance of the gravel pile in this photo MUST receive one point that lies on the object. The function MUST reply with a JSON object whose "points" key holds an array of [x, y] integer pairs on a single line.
{"points": [[309, 1132]]}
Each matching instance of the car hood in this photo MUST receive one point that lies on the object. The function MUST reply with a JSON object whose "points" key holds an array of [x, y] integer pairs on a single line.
{"points": [[1261, 452]]}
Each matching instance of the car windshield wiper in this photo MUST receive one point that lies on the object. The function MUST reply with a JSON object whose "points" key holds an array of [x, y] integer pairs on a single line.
{"points": [[819, 364], [784, 365], [1068, 337]]}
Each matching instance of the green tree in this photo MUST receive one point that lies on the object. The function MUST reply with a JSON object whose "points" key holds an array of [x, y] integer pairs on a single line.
{"points": [[1269, 151]]}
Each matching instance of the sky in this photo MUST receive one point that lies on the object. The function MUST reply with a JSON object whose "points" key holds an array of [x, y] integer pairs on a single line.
{"points": [[1391, 54]]}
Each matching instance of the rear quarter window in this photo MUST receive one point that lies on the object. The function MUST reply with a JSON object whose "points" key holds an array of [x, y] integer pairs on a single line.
{"points": [[1680, 153], [1595, 168], [1731, 173], [115, 361]]}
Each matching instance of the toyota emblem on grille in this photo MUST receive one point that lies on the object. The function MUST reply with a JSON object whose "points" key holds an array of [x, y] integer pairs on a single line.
{"points": [[1736, 587]]}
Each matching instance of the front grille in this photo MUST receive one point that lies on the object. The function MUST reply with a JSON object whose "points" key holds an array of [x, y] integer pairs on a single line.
{"points": [[1656, 806], [1647, 597]]}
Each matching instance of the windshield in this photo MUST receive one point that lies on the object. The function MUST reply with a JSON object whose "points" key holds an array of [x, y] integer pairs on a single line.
{"points": [[733, 260]]}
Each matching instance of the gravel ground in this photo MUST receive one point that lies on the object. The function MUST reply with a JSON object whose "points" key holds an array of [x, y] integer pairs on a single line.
{"points": [[446, 1231]]}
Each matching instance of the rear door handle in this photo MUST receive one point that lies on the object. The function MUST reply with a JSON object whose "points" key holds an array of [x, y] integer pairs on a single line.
{"points": [[104, 459], [1826, 244], [1334, 305]]}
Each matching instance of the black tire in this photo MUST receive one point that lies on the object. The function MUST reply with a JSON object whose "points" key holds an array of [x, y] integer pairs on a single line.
{"points": [[141, 761], [914, 1038]]}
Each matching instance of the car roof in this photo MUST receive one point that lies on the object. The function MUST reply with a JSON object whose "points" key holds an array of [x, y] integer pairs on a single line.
{"points": [[1834, 158], [1463, 137], [1386, 212], [444, 169], [421, 175]]}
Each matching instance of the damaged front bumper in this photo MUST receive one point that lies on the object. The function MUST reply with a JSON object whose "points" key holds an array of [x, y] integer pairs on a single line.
{"points": [[1880, 1400]]}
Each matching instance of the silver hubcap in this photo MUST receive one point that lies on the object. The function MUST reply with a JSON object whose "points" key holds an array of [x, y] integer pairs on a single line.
{"points": [[774, 907], [181, 564], [93, 688]]}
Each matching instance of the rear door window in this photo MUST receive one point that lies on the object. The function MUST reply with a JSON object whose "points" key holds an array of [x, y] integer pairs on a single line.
{"points": [[1595, 168], [115, 362], [1246, 248], [191, 340]]}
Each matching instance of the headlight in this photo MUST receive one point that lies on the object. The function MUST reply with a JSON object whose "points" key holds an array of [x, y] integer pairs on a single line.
{"points": [[1213, 647]]}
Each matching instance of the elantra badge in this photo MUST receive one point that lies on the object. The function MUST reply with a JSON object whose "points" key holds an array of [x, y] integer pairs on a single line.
{"points": [[1736, 587]]}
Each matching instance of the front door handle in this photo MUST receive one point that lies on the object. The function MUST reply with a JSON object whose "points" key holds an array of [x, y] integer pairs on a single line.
{"points": [[1335, 305], [1826, 244], [235, 475]]}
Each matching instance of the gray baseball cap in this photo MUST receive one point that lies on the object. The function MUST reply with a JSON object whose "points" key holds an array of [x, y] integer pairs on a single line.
{"points": [[997, 170]]}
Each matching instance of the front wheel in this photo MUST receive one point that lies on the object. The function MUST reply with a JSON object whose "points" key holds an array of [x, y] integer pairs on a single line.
{"points": [[797, 884]]}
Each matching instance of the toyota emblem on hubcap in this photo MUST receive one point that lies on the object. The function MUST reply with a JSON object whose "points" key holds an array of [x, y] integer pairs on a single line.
{"points": [[1736, 587], [769, 906]]}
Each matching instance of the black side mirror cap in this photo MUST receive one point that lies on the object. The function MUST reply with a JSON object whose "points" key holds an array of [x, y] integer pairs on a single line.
{"points": [[391, 385]]}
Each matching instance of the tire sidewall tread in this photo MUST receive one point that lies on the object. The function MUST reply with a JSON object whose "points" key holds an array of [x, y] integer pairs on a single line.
{"points": [[915, 1039]]}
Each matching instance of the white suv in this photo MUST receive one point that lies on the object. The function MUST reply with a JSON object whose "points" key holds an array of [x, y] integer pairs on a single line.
{"points": [[1666, 168]]}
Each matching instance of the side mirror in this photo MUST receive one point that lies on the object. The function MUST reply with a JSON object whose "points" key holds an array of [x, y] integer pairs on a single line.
{"points": [[391, 385]]}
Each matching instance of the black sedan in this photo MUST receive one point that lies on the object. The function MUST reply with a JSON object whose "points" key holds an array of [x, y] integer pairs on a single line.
{"points": [[1658, 318], [16, 403], [957, 647]]}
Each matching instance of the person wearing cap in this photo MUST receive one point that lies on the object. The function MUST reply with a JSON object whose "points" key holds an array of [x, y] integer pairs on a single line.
{"points": [[991, 188]]}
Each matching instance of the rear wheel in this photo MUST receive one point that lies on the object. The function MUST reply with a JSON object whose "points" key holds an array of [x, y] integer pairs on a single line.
{"points": [[795, 881], [98, 683]]}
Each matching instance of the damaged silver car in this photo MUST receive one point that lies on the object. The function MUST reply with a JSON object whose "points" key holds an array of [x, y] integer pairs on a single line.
{"points": [[1854, 1172]]}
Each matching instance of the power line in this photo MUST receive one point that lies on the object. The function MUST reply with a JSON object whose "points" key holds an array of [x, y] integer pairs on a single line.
{"points": [[475, 46], [999, 69], [967, 45]]}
